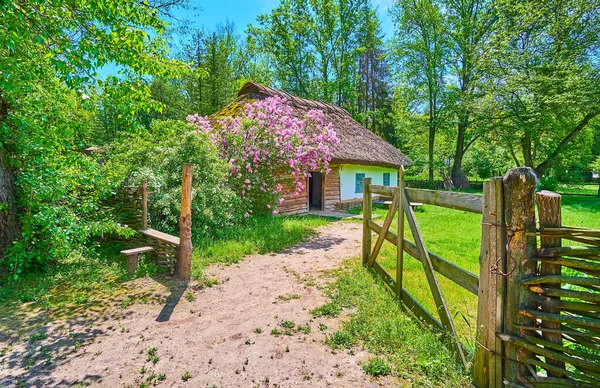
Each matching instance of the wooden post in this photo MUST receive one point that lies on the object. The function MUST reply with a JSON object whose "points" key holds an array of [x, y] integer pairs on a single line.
{"points": [[400, 241], [144, 205], [132, 263], [367, 211], [549, 212], [487, 365], [519, 216], [183, 266]]}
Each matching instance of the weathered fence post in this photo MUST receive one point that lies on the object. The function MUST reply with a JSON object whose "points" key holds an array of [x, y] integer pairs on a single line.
{"points": [[487, 365], [519, 216], [144, 205], [400, 240], [367, 210], [183, 266], [549, 213]]}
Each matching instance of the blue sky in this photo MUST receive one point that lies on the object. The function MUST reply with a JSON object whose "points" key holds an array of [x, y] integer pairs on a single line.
{"points": [[244, 12], [208, 14]]}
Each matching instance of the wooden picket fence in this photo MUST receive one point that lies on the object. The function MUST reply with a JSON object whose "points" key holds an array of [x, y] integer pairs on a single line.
{"points": [[538, 316]]}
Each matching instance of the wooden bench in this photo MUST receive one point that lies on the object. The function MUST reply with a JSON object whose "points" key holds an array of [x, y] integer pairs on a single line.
{"points": [[388, 204], [416, 204], [160, 236], [132, 256]]}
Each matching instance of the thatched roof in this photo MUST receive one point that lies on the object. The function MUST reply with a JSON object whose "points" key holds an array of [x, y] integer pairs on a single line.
{"points": [[357, 144]]}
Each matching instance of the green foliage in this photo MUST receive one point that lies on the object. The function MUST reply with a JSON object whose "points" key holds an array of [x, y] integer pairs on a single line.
{"points": [[383, 328], [70, 282], [157, 156], [59, 189], [376, 367], [548, 183], [545, 62], [595, 165], [341, 339], [220, 53], [504, 83], [49, 54], [331, 51], [327, 310]]}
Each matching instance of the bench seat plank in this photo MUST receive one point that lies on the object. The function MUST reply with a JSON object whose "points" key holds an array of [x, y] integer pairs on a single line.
{"points": [[160, 236], [137, 251]]}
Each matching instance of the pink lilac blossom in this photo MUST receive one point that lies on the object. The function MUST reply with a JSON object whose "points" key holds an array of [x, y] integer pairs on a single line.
{"points": [[268, 145]]}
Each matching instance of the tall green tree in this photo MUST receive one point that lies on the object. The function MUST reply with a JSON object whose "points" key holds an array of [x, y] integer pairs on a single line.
{"points": [[421, 50], [216, 56], [546, 77], [49, 56], [331, 50], [470, 26], [374, 95]]}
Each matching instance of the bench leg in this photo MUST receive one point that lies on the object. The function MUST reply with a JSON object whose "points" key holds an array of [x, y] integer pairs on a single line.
{"points": [[132, 263]]}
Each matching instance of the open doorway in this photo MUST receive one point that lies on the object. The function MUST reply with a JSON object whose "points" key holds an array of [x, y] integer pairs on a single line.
{"points": [[315, 191]]}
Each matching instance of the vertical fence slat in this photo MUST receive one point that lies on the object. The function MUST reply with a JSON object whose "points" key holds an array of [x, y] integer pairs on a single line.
{"points": [[519, 215], [367, 211], [144, 205], [400, 239], [549, 213], [487, 365]]}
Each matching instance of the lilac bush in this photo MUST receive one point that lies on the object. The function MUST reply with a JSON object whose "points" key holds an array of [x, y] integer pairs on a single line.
{"points": [[269, 151]]}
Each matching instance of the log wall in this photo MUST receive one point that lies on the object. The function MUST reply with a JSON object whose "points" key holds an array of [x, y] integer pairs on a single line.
{"points": [[332, 188], [294, 203]]}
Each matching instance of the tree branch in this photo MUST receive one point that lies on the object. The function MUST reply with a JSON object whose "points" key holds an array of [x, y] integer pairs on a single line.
{"points": [[542, 167]]}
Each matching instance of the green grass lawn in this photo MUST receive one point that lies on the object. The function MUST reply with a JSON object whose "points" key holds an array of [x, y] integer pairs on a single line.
{"points": [[456, 236], [577, 189], [401, 345]]}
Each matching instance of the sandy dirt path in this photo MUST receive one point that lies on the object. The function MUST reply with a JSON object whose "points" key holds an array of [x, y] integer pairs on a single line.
{"points": [[214, 337]]}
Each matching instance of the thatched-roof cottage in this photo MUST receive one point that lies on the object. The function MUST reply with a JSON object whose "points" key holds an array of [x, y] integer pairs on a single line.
{"points": [[359, 154]]}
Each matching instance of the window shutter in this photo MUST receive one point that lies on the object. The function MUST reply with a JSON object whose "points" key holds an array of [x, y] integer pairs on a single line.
{"points": [[386, 178], [358, 185]]}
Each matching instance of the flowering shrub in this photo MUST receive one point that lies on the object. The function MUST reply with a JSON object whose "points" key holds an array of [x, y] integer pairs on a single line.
{"points": [[156, 156], [269, 151]]}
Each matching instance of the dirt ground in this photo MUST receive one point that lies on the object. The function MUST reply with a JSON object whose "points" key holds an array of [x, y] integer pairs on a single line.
{"points": [[221, 336]]}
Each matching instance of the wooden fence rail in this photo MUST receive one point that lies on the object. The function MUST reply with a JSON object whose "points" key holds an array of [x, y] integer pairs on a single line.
{"points": [[538, 316]]}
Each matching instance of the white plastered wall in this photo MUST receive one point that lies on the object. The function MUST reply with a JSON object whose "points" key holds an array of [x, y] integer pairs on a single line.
{"points": [[348, 175]]}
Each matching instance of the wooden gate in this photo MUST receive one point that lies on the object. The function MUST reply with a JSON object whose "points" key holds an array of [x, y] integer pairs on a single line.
{"points": [[432, 264], [530, 330]]}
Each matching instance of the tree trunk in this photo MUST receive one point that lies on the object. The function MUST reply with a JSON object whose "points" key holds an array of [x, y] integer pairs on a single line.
{"points": [[459, 178], [431, 144], [9, 224], [526, 147], [10, 229]]}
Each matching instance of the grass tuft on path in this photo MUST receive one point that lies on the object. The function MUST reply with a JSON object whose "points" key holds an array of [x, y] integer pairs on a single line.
{"points": [[378, 323]]}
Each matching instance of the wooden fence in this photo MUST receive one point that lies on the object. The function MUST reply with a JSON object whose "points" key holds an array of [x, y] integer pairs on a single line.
{"points": [[538, 316]]}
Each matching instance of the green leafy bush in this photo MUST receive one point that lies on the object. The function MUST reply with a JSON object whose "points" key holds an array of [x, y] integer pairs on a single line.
{"points": [[157, 156], [548, 183], [58, 188]]}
